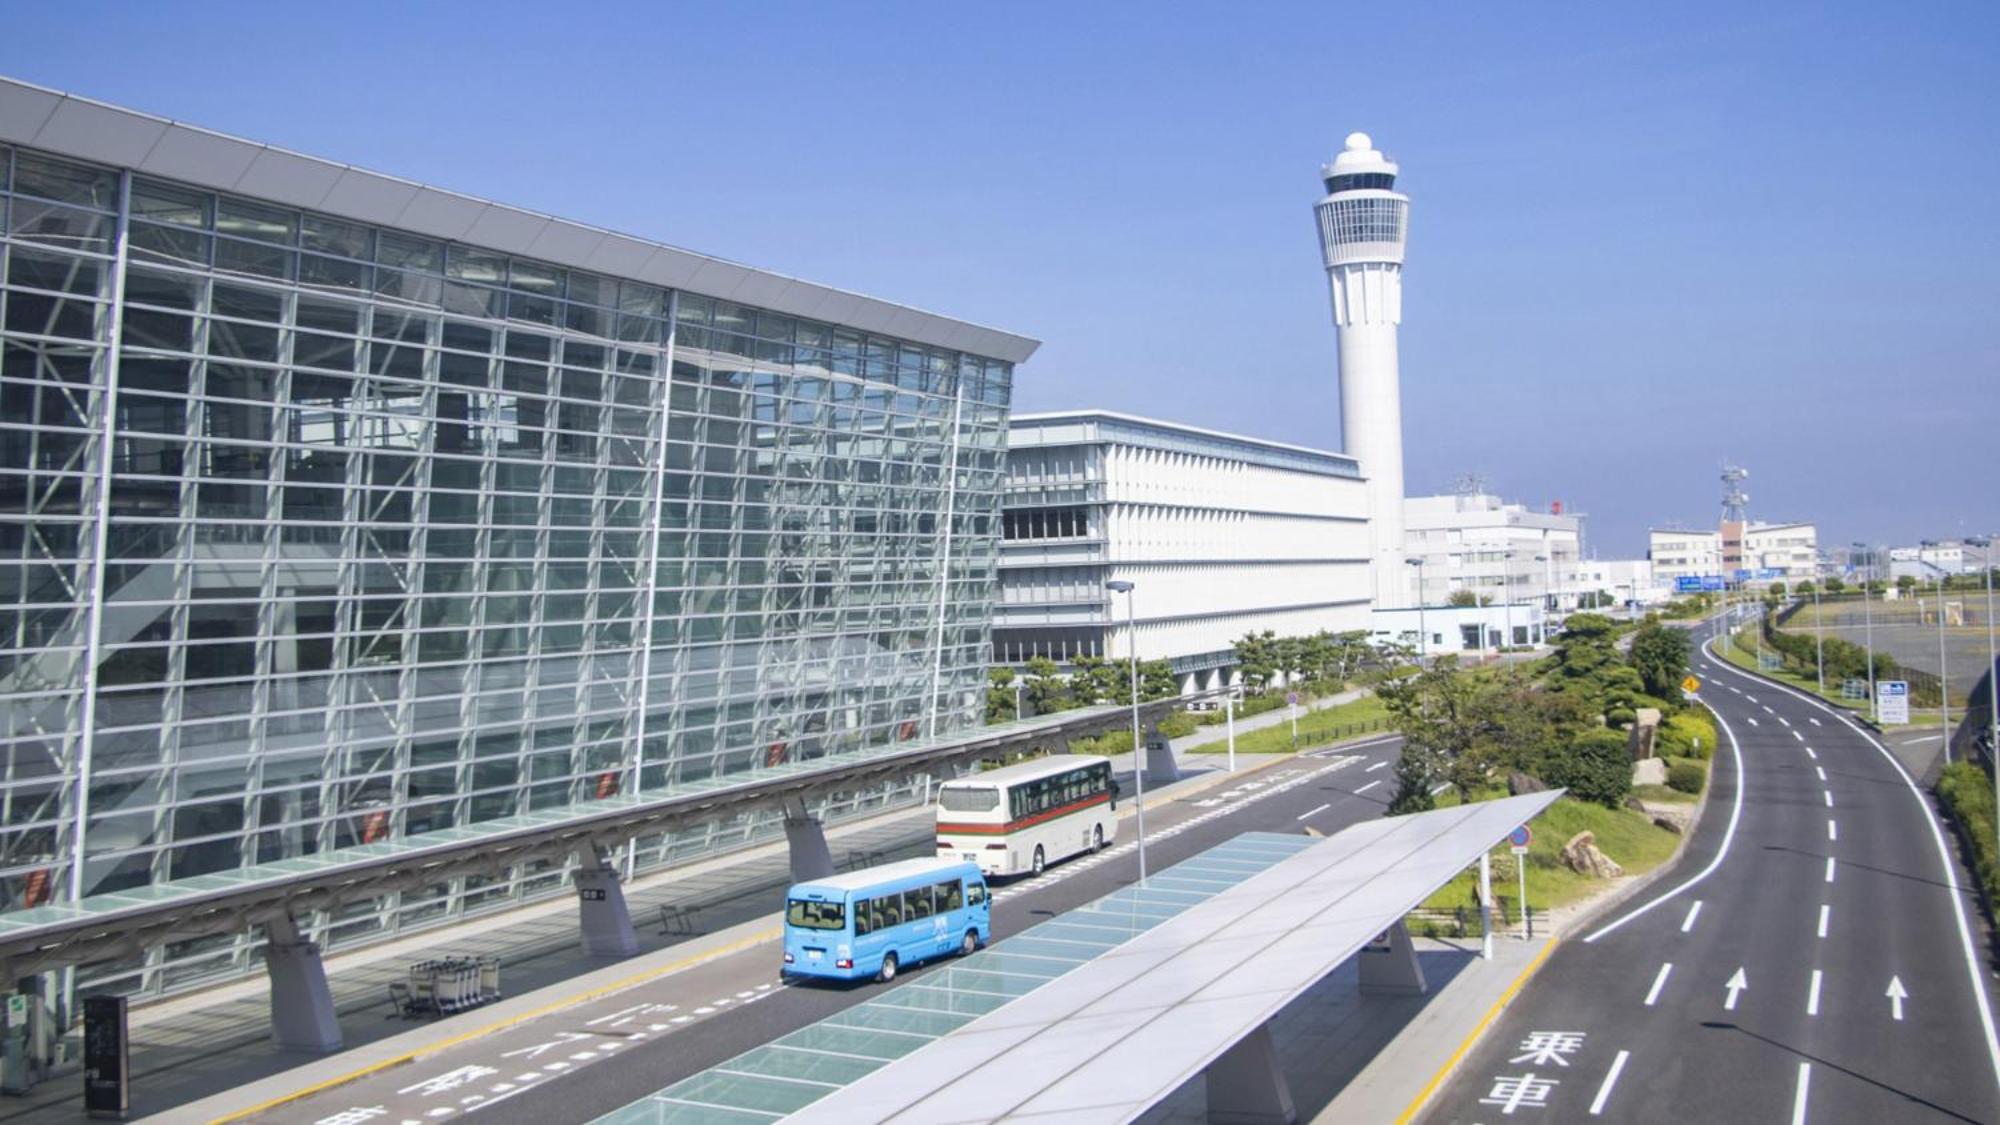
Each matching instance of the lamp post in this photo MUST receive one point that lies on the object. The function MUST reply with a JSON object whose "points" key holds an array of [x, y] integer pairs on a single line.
{"points": [[1548, 581], [1868, 629], [1017, 700], [1944, 674], [1985, 545], [1118, 586], [1819, 627], [1423, 630]]}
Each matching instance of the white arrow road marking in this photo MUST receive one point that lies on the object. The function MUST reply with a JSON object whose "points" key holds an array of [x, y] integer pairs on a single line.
{"points": [[1812, 995], [1366, 787], [1310, 812], [1896, 994], [1736, 985], [1659, 982], [1610, 1079], [1376, 766], [1829, 869], [1688, 922], [1799, 1098], [1824, 910], [1832, 830]]}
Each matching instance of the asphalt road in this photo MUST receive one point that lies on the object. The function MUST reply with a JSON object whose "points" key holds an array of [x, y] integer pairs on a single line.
{"points": [[596, 1056], [1818, 883]]}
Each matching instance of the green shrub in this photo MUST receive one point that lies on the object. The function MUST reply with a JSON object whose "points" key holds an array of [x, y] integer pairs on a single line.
{"points": [[1621, 716], [1686, 777], [1967, 797], [1689, 733], [1180, 724], [1596, 767]]}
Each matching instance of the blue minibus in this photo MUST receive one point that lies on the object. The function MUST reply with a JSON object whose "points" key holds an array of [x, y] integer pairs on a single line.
{"points": [[868, 924]]}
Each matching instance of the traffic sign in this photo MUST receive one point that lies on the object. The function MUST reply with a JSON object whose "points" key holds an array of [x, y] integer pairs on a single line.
{"points": [[1690, 685], [1292, 698], [1521, 837], [1892, 702]]}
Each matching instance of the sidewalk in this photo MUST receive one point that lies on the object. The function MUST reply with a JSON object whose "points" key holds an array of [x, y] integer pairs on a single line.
{"points": [[212, 1046]]}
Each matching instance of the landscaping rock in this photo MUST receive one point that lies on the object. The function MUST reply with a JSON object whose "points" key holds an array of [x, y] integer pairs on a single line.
{"points": [[1519, 783], [1671, 824], [1649, 771], [1582, 856], [1645, 727]]}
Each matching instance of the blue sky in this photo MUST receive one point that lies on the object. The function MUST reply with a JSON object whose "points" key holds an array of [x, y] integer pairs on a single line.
{"points": [[1643, 239]]}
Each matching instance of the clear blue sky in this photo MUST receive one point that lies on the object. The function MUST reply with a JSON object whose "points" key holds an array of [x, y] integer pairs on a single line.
{"points": [[1644, 238]]}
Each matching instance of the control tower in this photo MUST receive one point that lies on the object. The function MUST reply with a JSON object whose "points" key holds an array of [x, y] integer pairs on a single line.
{"points": [[1363, 224]]}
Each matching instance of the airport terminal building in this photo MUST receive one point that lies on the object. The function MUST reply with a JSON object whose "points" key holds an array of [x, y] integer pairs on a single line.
{"points": [[336, 509]]}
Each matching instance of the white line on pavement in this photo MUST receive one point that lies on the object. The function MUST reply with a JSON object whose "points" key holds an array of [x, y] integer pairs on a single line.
{"points": [[1812, 720], [1797, 735], [1751, 721], [1659, 982], [1310, 812], [1610, 1080], [1367, 787], [1829, 869], [1821, 771], [1737, 690], [1824, 909], [1767, 709], [1784, 721], [1812, 996], [1811, 753], [1688, 922], [1751, 698], [1376, 766], [1828, 794], [1721, 853], [1799, 1098], [1832, 829]]}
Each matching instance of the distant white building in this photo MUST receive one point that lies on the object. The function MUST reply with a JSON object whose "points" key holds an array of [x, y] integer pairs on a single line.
{"points": [[1931, 558], [1626, 580], [1439, 630], [1786, 552], [1221, 535], [1503, 552]]}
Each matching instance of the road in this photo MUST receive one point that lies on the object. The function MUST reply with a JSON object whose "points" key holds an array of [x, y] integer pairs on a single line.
{"points": [[596, 1056], [1808, 958]]}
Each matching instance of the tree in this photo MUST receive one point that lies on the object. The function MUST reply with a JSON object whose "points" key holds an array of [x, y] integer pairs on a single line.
{"points": [[1805, 589], [1289, 655], [1777, 589], [1467, 598], [1256, 659], [1835, 584], [1347, 652], [1436, 712], [1595, 767], [1413, 788], [1660, 655], [1045, 688], [1586, 664], [1094, 679], [1000, 695], [1906, 583], [1156, 680]]}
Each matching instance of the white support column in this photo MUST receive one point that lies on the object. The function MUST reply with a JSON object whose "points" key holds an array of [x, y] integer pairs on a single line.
{"points": [[600, 902], [1389, 965], [1245, 1086], [302, 1015], [1485, 906], [811, 858]]}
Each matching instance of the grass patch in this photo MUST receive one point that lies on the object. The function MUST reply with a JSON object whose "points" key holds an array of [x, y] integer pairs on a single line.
{"points": [[1967, 796], [1316, 728], [1662, 795], [1746, 658], [1627, 836]]}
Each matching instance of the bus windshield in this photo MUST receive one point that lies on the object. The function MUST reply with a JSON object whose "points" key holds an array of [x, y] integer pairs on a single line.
{"points": [[816, 915], [969, 798]]}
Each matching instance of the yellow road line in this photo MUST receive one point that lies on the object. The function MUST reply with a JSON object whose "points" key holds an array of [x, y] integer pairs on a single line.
{"points": [[502, 1025], [1424, 1095]]}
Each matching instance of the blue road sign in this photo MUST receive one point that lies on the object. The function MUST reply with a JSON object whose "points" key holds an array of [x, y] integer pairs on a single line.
{"points": [[1520, 837], [1710, 583], [1688, 584]]}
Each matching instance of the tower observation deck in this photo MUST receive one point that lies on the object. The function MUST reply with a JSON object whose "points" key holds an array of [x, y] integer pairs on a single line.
{"points": [[1363, 226]]}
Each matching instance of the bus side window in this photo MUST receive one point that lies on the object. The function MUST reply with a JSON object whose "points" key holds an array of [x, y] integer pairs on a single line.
{"points": [[917, 903], [863, 918], [950, 896], [891, 909]]}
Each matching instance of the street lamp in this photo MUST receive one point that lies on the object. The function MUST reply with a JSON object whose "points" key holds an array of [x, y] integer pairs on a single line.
{"points": [[1548, 581], [1423, 630], [1985, 545], [1868, 625], [1119, 586], [1017, 699], [1944, 674], [1819, 627]]}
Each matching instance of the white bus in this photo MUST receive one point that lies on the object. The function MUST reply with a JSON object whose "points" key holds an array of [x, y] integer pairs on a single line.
{"points": [[1025, 817]]}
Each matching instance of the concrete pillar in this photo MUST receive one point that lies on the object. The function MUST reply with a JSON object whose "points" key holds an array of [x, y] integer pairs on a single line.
{"points": [[1160, 767], [302, 1015], [1245, 1086], [600, 906], [1190, 683], [811, 858], [1389, 965]]}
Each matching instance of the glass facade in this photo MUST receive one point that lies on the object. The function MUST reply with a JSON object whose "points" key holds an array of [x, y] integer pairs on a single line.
{"points": [[314, 534]]}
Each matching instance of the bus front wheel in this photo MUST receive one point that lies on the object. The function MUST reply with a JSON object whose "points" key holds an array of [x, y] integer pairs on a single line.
{"points": [[888, 970], [970, 945], [1041, 860]]}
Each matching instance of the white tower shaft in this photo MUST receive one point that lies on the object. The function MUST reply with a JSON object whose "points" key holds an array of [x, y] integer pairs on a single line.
{"points": [[1363, 226]]}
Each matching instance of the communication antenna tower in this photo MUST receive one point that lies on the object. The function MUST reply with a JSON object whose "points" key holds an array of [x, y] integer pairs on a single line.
{"points": [[1735, 501]]}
